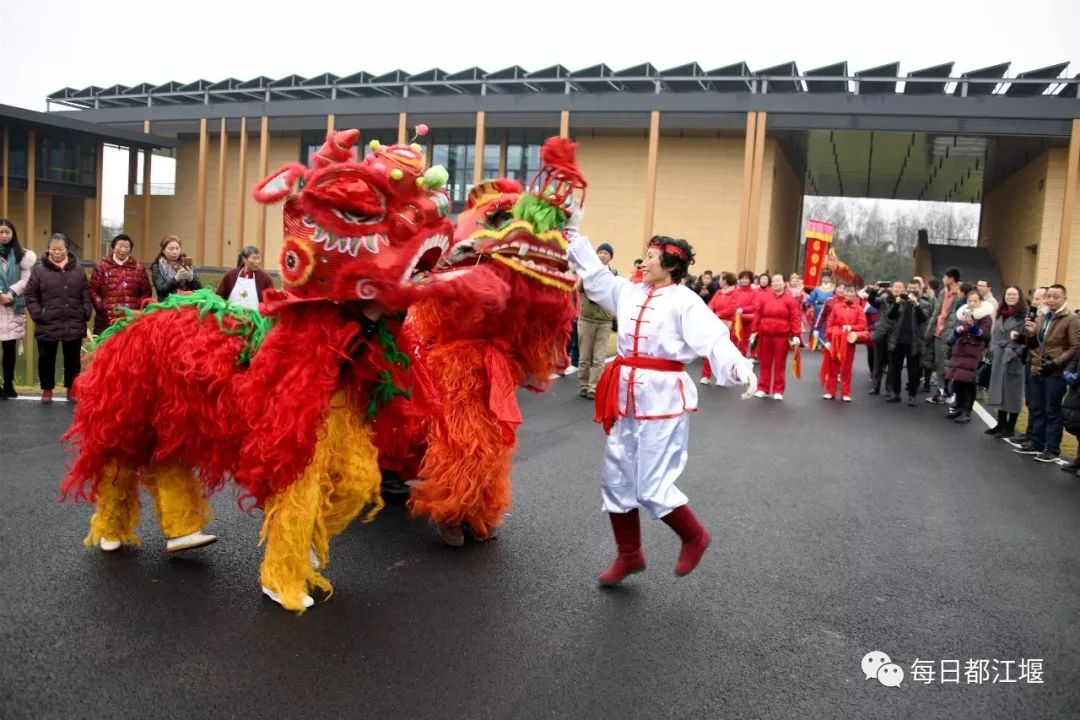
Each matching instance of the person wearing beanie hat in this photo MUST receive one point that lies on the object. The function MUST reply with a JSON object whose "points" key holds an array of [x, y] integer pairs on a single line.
{"points": [[594, 331]]}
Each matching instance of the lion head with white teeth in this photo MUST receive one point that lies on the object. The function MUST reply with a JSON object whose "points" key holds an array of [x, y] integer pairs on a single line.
{"points": [[522, 230], [362, 231]]}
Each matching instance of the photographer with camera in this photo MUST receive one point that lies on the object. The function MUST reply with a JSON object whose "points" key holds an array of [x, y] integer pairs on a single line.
{"points": [[969, 339], [946, 304], [172, 270], [1053, 339], [907, 318], [882, 301]]}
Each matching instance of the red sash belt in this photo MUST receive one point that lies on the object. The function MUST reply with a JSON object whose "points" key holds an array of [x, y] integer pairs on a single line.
{"points": [[607, 389]]}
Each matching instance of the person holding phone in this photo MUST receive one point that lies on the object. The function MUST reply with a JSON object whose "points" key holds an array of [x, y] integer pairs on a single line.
{"points": [[173, 271]]}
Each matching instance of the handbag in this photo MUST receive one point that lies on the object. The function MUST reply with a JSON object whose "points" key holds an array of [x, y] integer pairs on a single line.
{"points": [[982, 373]]}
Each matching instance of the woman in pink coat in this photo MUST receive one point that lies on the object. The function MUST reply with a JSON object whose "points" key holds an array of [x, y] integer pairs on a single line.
{"points": [[15, 265]]}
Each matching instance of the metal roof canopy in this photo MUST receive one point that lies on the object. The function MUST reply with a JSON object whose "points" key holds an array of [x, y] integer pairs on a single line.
{"points": [[64, 123], [596, 79], [912, 165]]}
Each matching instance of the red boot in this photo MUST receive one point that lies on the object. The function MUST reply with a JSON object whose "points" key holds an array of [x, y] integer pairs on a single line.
{"points": [[695, 538], [630, 560]]}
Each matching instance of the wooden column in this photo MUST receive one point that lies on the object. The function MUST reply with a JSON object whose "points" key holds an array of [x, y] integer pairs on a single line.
{"points": [[223, 148], [402, 128], [147, 243], [98, 185], [264, 147], [478, 153], [1068, 211], [31, 242], [242, 192], [650, 178], [133, 170], [754, 218], [200, 190], [7, 181], [564, 124], [330, 123], [502, 153], [744, 202]]}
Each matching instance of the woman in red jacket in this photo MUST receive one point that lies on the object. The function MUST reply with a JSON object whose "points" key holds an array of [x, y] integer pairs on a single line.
{"points": [[118, 281], [745, 299], [723, 306], [777, 327], [846, 327]]}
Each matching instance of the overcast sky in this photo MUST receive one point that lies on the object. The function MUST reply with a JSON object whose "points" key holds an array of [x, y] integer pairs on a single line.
{"points": [[51, 44]]}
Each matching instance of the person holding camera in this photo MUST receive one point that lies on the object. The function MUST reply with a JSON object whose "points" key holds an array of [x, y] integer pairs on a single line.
{"points": [[882, 301], [907, 316], [946, 304], [969, 339], [1052, 339], [172, 271], [1008, 353]]}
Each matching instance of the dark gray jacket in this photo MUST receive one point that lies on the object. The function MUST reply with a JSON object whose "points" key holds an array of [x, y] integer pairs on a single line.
{"points": [[914, 316], [58, 300]]}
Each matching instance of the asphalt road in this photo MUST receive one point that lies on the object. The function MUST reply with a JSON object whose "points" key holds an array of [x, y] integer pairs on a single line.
{"points": [[838, 530]]}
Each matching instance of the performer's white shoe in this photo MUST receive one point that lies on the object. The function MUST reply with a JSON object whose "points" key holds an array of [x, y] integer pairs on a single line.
{"points": [[109, 545], [778, 396], [308, 600], [846, 398], [189, 542], [827, 396], [759, 394], [706, 381]]}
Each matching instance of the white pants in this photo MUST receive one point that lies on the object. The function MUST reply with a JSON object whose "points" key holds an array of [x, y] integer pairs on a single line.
{"points": [[642, 461]]}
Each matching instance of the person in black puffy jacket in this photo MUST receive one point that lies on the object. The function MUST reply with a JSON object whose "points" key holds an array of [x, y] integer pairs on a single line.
{"points": [[58, 300]]}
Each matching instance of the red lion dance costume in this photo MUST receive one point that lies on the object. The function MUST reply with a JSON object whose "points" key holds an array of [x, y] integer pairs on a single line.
{"points": [[195, 391], [481, 358]]}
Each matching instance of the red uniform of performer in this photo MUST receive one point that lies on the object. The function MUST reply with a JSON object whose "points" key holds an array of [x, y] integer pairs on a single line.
{"points": [[845, 317], [723, 306], [777, 326], [746, 296]]}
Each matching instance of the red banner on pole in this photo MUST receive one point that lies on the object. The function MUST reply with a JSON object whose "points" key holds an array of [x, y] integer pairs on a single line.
{"points": [[819, 235]]}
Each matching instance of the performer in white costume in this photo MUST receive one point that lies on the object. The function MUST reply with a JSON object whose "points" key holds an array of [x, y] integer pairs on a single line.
{"points": [[644, 395]]}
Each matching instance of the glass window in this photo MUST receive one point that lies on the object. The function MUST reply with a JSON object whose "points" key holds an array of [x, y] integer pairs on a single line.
{"points": [[523, 153], [64, 160], [454, 149]]}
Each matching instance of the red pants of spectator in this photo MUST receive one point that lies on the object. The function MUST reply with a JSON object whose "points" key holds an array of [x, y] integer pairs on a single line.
{"points": [[772, 358], [833, 368], [744, 344]]}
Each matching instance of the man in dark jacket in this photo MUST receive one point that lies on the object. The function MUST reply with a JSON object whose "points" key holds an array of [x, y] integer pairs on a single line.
{"points": [[907, 316], [1053, 340], [882, 301]]}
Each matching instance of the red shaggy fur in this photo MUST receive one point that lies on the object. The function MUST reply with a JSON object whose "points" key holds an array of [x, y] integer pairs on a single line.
{"points": [[466, 471], [168, 387]]}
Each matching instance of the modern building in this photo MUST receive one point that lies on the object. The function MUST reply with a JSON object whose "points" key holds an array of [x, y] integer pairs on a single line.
{"points": [[50, 174], [720, 157]]}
